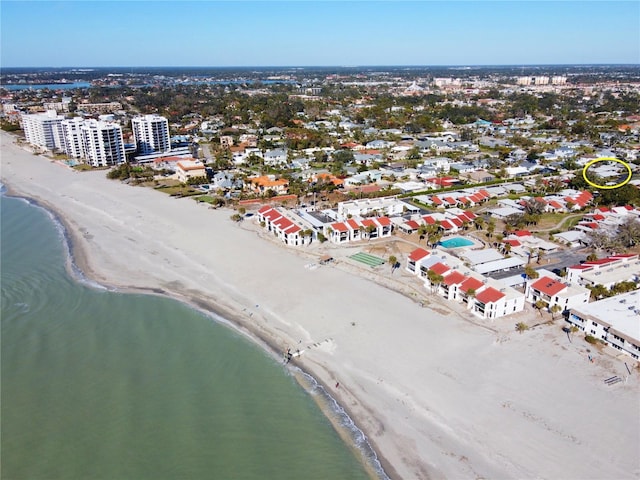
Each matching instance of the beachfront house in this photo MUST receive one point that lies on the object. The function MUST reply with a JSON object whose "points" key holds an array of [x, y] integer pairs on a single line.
{"points": [[414, 260], [189, 169], [288, 229], [483, 297], [554, 292], [352, 229]]}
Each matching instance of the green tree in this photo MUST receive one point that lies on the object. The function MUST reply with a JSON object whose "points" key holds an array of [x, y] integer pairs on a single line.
{"points": [[540, 305], [555, 309], [598, 292], [530, 272], [393, 261], [491, 227], [629, 232], [435, 279], [521, 327]]}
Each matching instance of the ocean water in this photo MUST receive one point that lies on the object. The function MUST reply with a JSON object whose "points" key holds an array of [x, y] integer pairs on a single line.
{"points": [[104, 385]]}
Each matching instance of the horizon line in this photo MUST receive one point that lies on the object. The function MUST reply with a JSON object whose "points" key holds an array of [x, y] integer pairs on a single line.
{"points": [[519, 65]]}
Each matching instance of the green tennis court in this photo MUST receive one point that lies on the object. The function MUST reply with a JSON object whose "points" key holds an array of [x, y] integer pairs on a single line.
{"points": [[369, 260]]}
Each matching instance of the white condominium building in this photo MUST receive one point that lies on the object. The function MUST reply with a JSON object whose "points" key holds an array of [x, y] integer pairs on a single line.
{"points": [[69, 138], [41, 129], [151, 134], [102, 143]]}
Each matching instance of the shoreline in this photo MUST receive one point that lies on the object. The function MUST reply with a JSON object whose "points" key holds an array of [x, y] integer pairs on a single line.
{"points": [[78, 268], [426, 386]]}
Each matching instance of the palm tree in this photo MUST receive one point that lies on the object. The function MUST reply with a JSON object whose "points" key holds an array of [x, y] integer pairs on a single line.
{"points": [[531, 272], [435, 279], [530, 252], [521, 327], [422, 231], [540, 304], [573, 330], [370, 230], [598, 291], [471, 293], [540, 255], [393, 261], [491, 227], [555, 309]]}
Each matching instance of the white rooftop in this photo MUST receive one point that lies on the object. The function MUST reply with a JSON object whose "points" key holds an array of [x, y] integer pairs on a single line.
{"points": [[477, 257], [498, 265], [570, 236], [622, 312], [615, 274]]}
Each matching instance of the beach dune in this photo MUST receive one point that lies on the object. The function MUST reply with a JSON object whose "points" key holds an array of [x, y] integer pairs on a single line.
{"points": [[437, 396]]}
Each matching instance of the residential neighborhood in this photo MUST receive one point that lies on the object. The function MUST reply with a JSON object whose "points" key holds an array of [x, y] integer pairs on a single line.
{"points": [[477, 183]]}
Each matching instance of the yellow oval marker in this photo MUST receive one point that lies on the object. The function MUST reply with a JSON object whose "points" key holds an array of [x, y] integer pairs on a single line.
{"points": [[606, 159]]}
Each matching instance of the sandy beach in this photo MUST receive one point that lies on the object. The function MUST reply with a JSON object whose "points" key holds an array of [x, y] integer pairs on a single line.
{"points": [[437, 396]]}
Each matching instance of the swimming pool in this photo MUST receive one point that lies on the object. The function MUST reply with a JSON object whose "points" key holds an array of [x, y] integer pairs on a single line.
{"points": [[456, 242]]}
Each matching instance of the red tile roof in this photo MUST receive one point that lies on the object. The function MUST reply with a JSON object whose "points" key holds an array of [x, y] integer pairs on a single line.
{"points": [[412, 224], [469, 283], [597, 216], [339, 227], [429, 219], [417, 254], [489, 295], [283, 223], [591, 225], [384, 221], [470, 215], [522, 233], [454, 278], [456, 221], [446, 225], [367, 222], [450, 200], [513, 243], [272, 215], [548, 286], [292, 229], [353, 224], [439, 268], [600, 261], [555, 204], [264, 209], [436, 200], [580, 267]]}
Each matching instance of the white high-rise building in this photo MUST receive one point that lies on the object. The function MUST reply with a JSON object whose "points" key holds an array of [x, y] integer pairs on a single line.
{"points": [[151, 134], [102, 143], [42, 129], [70, 138]]}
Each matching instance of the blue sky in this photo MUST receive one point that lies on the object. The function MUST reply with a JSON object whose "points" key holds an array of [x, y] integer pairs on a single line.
{"points": [[306, 33]]}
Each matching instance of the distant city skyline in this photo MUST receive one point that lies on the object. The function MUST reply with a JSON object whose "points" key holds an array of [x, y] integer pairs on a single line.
{"points": [[306, 33]]}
